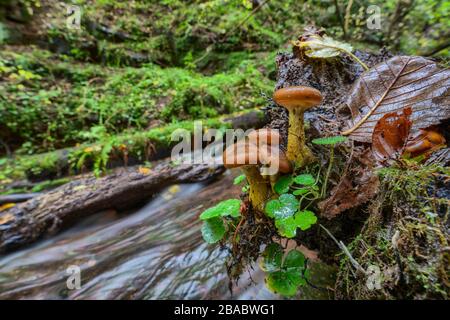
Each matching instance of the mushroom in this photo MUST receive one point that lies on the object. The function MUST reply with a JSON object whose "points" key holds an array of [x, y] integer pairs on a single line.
{"points": [[268, 142], [246, 156], [274, 161], [424, 142], [297, 100]]}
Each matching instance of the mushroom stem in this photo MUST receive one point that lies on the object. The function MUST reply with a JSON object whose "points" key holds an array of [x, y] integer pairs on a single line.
{"points": [[260, 189], [297, 150]]}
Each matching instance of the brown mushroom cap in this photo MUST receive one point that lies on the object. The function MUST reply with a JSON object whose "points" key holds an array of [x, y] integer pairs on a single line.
{"points": [[264, 136], [240, 154], [269, 154], [297, 97]]}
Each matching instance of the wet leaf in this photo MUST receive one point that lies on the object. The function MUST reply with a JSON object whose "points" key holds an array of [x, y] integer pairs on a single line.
{"points": [[391, 135], [323, 46], [286, 227], [329, 140], [228, 207], [305, 179], [283, 183], [305, 219], [272, 258], [239, 179], [213, 230], [283, 207], [393, 85], [357, 186], [283, 276]]}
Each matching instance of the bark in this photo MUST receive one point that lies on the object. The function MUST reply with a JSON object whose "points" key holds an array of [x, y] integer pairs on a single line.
{"points": [[61, 207]]}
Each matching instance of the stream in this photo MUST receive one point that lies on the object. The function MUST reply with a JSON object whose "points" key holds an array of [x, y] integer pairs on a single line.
{"points": [[156, 252]]}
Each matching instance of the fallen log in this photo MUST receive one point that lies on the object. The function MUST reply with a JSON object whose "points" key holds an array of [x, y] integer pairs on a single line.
{"points": [[53, 211]]}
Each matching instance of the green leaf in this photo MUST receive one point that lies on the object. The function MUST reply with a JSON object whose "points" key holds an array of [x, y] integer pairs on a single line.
{"points": [[286, 227], [330, 140], [272, 258], [239, 179], [283, 207], [305, 179], [301, 192], [305, 219], [323, 47], [294, 263], [228, 207], [213, 230], [283, 183], [272, 206], [245, 188], [283, 277]]}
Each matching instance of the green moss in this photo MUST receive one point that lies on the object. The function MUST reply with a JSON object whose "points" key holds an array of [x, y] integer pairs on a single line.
{"points": [[97, 154], [51, 103], [406, 237]]}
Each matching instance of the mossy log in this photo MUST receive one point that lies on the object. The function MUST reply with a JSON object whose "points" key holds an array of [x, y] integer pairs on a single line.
{"points": [[61, 207]]}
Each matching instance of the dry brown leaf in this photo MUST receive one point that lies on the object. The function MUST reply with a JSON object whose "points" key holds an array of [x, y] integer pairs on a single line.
{"points": [[391, 135], [357, 186], [400, 82]]}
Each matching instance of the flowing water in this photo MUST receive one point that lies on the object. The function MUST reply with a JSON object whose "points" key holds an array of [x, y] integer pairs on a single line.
{"points": [[156, 252]]}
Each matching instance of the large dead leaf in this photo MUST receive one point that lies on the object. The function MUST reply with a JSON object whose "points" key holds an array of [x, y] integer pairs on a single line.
{"points": [[358, 185], [391, 135], [390, 86]]}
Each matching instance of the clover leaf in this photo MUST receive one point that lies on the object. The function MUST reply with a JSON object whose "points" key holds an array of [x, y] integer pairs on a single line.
{"points": [[286, 227], [272, 258], [305, 219], [283, 183], [283, 207], [228, 207], [213, 230], [305, 179], [283, 276]]}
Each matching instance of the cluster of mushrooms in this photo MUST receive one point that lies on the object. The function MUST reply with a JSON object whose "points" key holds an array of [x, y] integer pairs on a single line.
{"points": [[260, 150]]}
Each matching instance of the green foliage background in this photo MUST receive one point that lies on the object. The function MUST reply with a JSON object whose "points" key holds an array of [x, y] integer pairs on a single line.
{"points": [[136, 65]]}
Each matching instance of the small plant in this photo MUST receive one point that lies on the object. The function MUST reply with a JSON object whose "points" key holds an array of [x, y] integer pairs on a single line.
{"points": [[284, 273], [219, 219], [331, 141]]}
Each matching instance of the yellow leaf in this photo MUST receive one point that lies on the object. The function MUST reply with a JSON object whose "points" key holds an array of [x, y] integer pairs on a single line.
{"points": [[144, 170], [174, 189]]}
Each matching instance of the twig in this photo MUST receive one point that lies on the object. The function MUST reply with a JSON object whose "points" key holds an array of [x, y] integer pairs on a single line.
{"points": [[342, 246]]}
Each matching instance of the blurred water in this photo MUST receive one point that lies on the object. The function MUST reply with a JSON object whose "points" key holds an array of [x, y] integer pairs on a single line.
{"points": [[156, 252]]}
